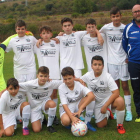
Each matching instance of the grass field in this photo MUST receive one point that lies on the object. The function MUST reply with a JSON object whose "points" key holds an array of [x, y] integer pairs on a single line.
{"points": [[107, 133]]}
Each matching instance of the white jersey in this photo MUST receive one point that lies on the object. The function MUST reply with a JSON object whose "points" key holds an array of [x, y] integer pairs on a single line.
{"points": [[116, 53], [49, 52], [24, 59], [68, 96], [70, 50], [10, 103], [101, 86], [36, 93], [92, 48]]}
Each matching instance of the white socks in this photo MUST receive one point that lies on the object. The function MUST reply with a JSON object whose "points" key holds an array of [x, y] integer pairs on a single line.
{"points": [[127, 99], [89, 112], [120, 116], [26, 115], [51, 116]]}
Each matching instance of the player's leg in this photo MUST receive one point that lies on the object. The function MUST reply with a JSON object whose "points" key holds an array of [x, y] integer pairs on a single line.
{"points": [[119, 104], [89, 113], [50, 109], [36, 126], [9, 131], [55, 99], [25, 112]]}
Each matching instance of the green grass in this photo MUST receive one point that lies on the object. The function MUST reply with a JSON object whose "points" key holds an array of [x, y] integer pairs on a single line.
{"points": [[107, 133]]}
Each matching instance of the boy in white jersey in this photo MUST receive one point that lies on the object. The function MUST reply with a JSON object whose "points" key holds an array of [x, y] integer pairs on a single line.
{"points": [[13, 106], [74, 99], [117, 65], [91, 44], [49, 51], [38, 92], [23, 48], [106, 94]]}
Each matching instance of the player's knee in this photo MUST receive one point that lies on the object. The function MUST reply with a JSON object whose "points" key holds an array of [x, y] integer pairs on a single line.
{"points": [[52, 104], [65, 121], [120, 103], [36, 130], [9, 133], [101, 125]]}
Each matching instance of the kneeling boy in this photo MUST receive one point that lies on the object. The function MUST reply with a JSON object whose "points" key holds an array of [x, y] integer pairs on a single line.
{"points": [[13, 106], [74, 99], [106, 94]]}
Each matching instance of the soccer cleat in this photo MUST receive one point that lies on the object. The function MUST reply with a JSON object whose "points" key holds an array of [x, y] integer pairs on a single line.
{"points": [[115, 117], [120, 129], [19, 121], [128, 116], [137, 118], [68, 127], [111, 114], [25, 131], [82, 118], [51, 129], [90, 127], [56, 121], [45, 121]]}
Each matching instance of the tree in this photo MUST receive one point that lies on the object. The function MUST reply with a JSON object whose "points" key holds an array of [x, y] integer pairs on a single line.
{"points": [[82, 6]]}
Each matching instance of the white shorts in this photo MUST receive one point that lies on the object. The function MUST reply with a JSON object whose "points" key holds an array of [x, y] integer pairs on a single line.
{"points": [[73, 108], [98, 115], [36, 113], [10, 118], [119, 72], [25, 77]]}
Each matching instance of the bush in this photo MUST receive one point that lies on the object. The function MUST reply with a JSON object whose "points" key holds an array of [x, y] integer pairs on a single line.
{"points": [[79, 27], [99, 26], [75, 15], [33, 28]]}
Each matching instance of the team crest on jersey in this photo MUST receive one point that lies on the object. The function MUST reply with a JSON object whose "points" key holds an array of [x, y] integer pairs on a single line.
{"points": [[72, 35], [24, 48], [52, 45], [20, 97], [28, 40], [97, 89], [95, 48], [121, 30], [76, 92], [101, 82]]}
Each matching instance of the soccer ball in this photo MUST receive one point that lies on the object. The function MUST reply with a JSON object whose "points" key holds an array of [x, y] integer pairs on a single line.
{"points": [[79, 129]]}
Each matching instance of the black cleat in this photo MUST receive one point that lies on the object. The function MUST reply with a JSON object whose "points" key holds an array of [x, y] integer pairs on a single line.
{"points": [[56, 121], [51, 129], [45, 121], [19, 121]]}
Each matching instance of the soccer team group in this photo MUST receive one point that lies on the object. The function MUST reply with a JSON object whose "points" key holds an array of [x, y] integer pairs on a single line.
{"points": [[109, 55]]}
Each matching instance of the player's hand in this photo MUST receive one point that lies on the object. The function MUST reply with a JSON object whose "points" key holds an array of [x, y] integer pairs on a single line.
{"points": [[75, 120], [56, 40], [81, 81], [61, 33], [103, 109], [39, 42], [126, 60], [1, 133]]}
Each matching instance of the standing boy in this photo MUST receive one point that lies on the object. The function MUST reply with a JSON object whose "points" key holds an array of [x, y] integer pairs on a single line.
{"points": [[106, 94], [23, 48], [74, 99], [91, 44], [117, 65], [38, 93], [49, 52], [13, 106]]}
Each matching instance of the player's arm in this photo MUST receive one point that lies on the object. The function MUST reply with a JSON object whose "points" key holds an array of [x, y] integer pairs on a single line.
{"points": [[115, 94], [1, 126], [125, 41], [100, 39], [71, 115], [90, 97]]}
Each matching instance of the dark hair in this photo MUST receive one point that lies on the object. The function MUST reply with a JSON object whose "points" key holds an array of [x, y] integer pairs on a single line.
{"points": [[90, 21], [67, 71], [43, 70], [12, 82], [115, 10], [97, 57], [66, 20], [20, 23], [46, 28]]}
